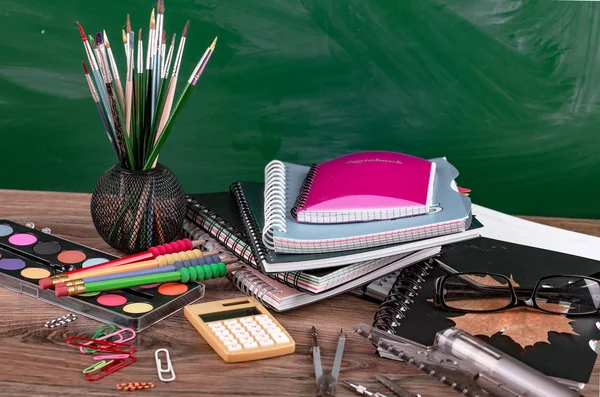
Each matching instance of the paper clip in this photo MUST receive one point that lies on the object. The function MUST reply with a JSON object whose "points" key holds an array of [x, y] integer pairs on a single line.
{"points": [[169, 370], [96, 366], [106, 346], [135, 386], [99, 333], [118, 333], [111, 357], [109, 369]]}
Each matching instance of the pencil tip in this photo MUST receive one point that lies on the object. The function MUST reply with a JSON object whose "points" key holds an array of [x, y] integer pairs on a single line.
{"points": [[161, 7], [81, 31], [85, 70], [214, 43], [185, 29]]}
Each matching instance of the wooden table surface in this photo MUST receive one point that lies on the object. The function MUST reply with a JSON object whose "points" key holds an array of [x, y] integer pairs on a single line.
{"points": [[35, 360]]}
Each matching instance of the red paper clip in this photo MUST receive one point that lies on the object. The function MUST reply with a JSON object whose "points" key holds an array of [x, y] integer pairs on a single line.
{"points": [[103, 345], [109, 369]]}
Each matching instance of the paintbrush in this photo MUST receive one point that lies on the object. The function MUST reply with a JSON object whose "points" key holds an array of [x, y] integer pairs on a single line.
{"points": [[128, 95], [115, 71], [185, 94], [166, 111], [149, 80], [96, 73], [140, 98], [122, 143], [96, 99]]}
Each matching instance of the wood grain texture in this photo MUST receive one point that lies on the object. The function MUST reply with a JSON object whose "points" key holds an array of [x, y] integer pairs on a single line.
{"points": [[36, 361]]}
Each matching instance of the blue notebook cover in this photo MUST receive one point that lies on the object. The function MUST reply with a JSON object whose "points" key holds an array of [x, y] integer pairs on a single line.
{"points": [[282, 233]]}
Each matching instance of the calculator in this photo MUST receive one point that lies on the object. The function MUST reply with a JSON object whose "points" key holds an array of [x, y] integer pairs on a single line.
{"points": [[240, 329]]}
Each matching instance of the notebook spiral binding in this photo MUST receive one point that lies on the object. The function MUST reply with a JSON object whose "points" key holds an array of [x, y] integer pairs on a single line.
{"points": [[253, 232], [305, 190], [242, 279], [252, 285], [275, 198], [396, 305], [219, 229]]}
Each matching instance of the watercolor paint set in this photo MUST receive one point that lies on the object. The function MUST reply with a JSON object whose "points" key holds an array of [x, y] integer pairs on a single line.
{"points": [[28, 255]]}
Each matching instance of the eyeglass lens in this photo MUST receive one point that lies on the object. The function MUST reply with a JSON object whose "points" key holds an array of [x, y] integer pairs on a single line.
{"points": [[568, 295], [477, 292]]}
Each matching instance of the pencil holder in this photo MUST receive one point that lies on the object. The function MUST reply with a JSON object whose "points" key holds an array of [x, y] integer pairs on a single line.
{"points": [[135, 210]]}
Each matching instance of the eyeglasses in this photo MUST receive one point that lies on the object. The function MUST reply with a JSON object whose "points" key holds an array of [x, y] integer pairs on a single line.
{"points": [[491, 292]]}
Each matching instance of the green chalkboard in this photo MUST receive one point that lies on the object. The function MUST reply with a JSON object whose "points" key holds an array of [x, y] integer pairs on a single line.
{"points": [[508, 90]]}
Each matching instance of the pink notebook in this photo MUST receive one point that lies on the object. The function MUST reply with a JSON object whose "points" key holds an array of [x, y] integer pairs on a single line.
{"points": [[366, 186]]}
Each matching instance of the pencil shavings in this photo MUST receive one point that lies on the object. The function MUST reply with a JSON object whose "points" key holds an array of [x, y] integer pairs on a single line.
{"points": [[524, 326]]}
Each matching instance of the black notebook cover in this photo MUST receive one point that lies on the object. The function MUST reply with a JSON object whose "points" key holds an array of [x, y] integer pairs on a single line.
{"points": [[564, 355]]}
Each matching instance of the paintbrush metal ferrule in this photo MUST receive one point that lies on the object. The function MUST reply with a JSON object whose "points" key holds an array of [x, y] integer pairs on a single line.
{"points": [[140, 57], [178, 57], [95, 96], [169, 58]]}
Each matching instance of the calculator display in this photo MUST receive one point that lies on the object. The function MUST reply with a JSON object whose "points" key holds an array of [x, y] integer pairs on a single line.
{"points": [[251, 311]]}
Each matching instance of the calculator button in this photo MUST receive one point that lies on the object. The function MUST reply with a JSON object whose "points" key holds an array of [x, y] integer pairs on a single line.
{"points": [[221, 332], [230, 341], [264, 321], [261, 337], [261, 317], [246, 320], [251, 345], [233, 348], [215, 324], [265, 343], [241, 334], [257, 332], [246, 339], [236, 328], [280, 337], [223, 338], [253, 327], [230, 322], [273, 330]]}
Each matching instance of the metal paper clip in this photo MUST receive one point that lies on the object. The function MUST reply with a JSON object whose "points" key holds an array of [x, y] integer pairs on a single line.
{"points": [[96, 366], [118, 333], [105, 370], [169, 370], [105, 346]]}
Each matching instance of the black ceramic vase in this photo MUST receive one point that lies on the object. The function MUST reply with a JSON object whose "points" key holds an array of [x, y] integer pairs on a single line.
{"points": [[135, 210]]}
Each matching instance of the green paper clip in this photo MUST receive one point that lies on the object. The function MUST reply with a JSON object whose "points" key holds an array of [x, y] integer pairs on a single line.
{"points": [[96, 366], [99, 333]]}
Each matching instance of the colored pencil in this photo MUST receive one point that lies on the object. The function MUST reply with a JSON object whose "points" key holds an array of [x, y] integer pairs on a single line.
{"points": [[161, 260], [184, 275], [207, 260], [173, 247], [187, 91]]}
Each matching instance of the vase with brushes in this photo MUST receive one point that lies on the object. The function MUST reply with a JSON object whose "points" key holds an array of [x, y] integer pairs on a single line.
{"points": [[139, 203]]}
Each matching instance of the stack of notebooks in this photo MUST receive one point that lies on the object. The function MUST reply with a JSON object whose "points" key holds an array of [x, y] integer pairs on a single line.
{"points": [[309, 233]]}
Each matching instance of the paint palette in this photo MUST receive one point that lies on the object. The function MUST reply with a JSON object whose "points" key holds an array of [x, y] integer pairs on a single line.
{"points": [[28, 255]]}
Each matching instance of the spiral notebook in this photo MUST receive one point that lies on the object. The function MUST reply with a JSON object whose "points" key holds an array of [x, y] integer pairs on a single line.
{"points": [[249, 198], [558, 346], [215, 213], [283, 234], [280, 297], [390, 185]]}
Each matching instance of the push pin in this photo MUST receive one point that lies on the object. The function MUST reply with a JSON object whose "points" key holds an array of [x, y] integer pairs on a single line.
{"points": [[30, 225]]}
